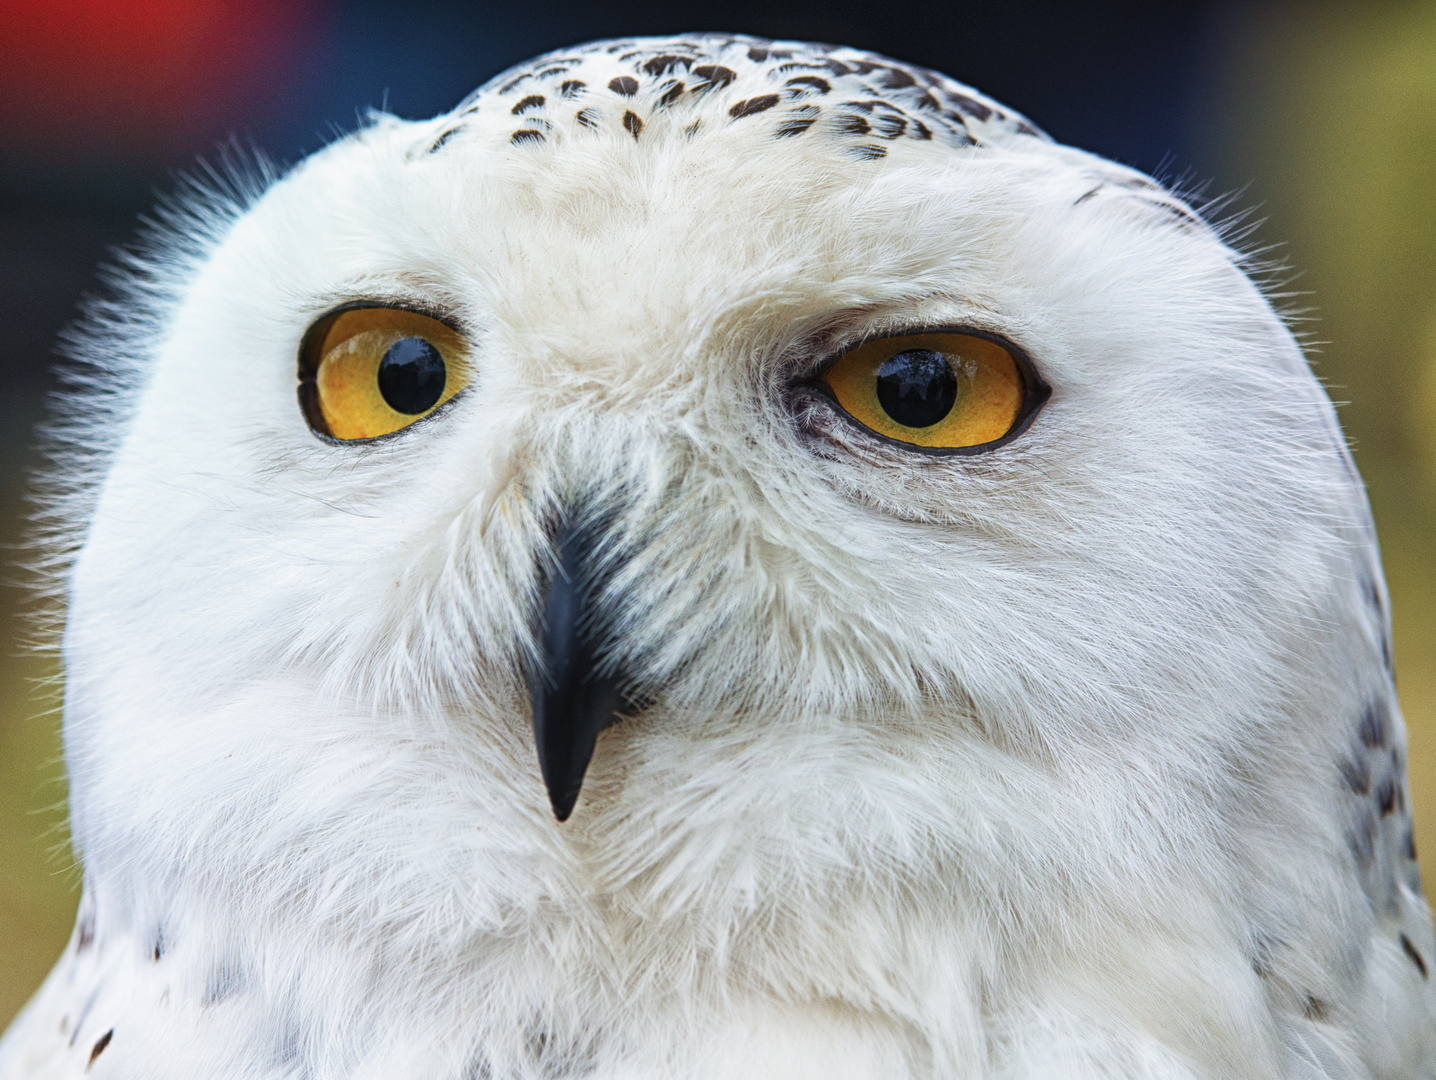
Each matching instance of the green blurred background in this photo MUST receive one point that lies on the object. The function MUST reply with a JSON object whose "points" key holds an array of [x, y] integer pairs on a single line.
{"points": [[1321, 116]]}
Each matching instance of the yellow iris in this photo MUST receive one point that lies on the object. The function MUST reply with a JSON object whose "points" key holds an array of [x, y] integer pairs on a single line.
{"points": [[369, 371], [938, 390]]}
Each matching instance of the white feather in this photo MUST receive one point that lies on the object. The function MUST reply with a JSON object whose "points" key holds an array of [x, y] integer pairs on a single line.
{"points": [[1040, 763]]}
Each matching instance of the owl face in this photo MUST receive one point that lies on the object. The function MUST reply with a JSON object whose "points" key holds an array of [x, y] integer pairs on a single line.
{"points": [[875, 474]]}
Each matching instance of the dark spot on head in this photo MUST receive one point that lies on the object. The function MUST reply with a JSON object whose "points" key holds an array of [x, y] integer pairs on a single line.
{"points": [[438, 143], [533, 101], [1374, 721], [896, 78], [928, 102], [757, 55], [752, 105], [869, 152], [514, 82], [889, 126], [1357, 774], [1136, 183], [1177, 211], [524, 135], [624, 85], [1025, 128], [848, 124], [1414, 956], [671, 93], [1362, 838], [796, 126], [662, 65], [1373, 594], [631, 123], [571, 88], [810, 84], [921, 130], [1386, 795], [714, 76], [587, 117], [99, 1047], [967, 106], [1314, 1009]]}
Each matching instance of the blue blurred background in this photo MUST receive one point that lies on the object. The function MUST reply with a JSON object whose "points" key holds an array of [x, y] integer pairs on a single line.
{"points": [[1322, 117]]}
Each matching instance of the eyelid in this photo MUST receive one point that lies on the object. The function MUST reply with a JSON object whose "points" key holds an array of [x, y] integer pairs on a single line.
{"points": [[849, 342], [414, 306]]}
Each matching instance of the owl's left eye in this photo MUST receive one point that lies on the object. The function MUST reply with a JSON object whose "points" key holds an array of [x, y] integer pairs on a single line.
{"points": [[940, 391], [370, 371]]}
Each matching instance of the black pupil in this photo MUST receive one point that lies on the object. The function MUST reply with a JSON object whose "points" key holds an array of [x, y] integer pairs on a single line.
{"points": [[411, 376], [917, 388]]}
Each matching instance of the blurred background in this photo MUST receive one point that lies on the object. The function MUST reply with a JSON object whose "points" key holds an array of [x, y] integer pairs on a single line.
{"points": [[1320, 117]]}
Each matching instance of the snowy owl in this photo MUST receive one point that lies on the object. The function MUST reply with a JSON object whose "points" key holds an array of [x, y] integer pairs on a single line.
{"points": [[719, 559]]}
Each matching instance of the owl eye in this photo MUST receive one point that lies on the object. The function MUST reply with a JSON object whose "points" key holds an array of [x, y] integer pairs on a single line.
{"points": [[939, 391], [369, 371]]}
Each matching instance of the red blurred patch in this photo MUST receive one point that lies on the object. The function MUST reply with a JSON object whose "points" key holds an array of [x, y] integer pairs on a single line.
{"points": [[143, 77]]}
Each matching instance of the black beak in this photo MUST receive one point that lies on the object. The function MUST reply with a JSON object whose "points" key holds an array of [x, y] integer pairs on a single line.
{"points": [[573, 697]]}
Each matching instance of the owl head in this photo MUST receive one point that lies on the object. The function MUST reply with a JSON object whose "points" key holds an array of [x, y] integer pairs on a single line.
{"points": [[706, 481]]}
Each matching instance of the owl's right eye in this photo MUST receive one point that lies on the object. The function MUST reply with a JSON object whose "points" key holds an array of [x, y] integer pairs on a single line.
{"points": [[370, 371]]}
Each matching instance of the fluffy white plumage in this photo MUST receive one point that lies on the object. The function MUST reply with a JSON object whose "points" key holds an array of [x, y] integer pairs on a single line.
{"points": [[1079, 758]]}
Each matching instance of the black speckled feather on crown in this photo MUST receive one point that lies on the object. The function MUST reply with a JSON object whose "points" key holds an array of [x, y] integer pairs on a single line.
{"points": [[784, 90]]}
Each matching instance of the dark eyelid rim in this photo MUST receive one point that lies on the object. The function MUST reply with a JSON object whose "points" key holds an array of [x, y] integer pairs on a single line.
{"points": [[309, 368], [1035, 390]]}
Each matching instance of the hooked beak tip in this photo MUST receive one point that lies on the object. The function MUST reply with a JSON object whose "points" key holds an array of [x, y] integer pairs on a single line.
{"points": [[562, 806], [571, 698]]}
